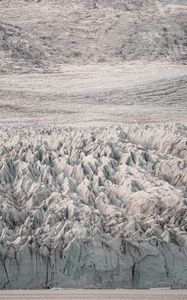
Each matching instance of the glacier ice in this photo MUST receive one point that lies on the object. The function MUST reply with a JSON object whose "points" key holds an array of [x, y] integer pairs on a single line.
{"points": [[98, 207]]}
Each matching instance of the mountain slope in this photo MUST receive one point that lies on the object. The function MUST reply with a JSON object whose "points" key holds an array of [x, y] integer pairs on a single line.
{"points": [[36, 35]]}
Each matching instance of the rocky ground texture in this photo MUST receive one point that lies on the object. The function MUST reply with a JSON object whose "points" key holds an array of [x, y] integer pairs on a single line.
{"points": [[42, 35]]}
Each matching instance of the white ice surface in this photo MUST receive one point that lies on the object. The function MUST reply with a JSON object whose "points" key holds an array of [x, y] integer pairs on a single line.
{"points": [[93, 207]]}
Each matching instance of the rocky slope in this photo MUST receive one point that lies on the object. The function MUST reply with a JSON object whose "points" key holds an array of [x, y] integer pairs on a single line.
{"points": [[99, 207], [42, 35]]}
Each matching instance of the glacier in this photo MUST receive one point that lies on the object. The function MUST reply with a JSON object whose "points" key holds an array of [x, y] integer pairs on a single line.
{"points": [[93, 207]]}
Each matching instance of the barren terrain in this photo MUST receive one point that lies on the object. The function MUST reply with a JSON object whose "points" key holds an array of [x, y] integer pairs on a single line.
{"points": [[126, 93], [93, 146], [42, 35]]}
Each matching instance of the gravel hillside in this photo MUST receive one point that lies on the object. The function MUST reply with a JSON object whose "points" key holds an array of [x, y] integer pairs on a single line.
{"points": [[43, 35]]}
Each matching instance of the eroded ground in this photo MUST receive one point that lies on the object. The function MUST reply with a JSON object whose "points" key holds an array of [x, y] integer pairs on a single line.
{"points": [[126, 93]]}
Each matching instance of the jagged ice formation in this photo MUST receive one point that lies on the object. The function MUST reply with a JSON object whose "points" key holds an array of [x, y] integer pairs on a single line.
{"points": [[101, 207]]}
